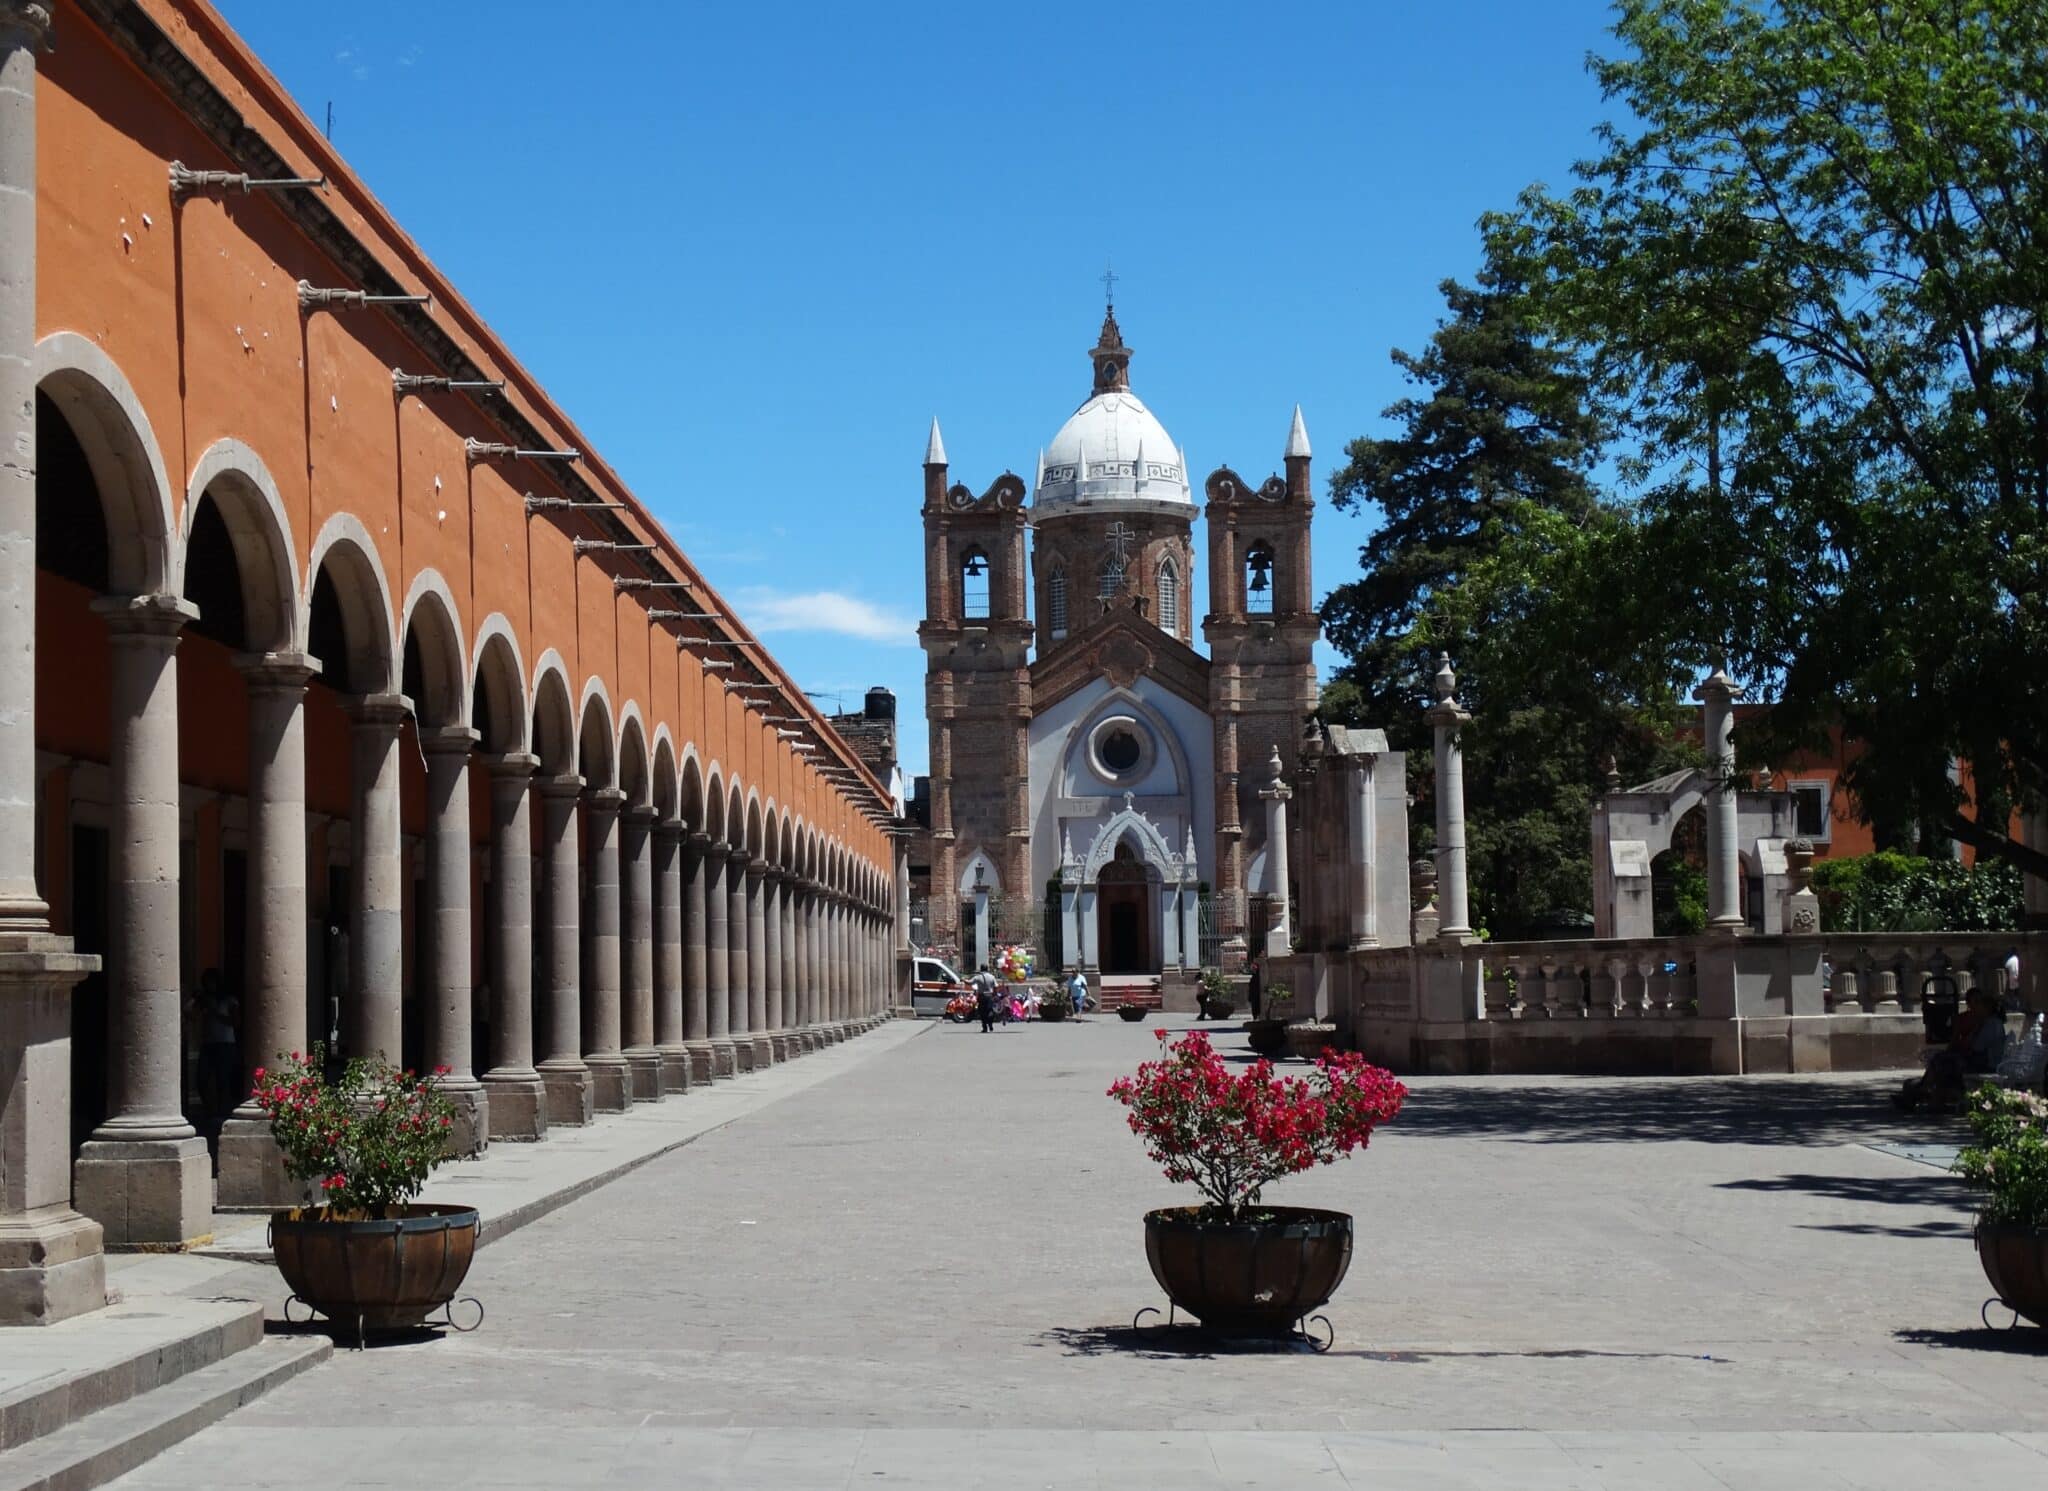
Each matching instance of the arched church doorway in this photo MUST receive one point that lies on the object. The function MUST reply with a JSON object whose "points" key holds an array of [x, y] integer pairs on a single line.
{"points": [[1124, 916]]}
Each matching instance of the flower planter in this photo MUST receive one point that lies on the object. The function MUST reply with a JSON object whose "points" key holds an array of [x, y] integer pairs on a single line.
{"points": [[1052, 1013], [1130, 1014], [1253, 1277], [2015, 1260], [376, 1275], [1266, 1037], [1217, 1009], [1306, 1038]]}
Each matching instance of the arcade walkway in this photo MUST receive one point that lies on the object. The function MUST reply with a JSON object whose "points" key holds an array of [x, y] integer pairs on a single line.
{"points": [[921, 1272]]}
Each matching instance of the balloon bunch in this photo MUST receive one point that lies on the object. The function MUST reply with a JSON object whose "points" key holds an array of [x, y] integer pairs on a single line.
{"points": [[1013, 964]]}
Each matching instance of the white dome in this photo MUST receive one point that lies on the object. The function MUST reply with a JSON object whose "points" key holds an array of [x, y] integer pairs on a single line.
{"points": [[1112, 449]]}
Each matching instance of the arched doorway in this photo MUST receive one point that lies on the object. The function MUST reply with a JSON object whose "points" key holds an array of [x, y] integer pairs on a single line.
{"points": [[1123, 910]]}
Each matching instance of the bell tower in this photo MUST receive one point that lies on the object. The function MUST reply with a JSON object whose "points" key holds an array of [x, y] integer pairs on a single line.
{"points": [[977, 641], [1262, 632]]}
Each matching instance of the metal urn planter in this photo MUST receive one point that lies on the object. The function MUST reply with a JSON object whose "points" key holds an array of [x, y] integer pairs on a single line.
{"points": [[1266, 1037], [1261, 1278], [2015, 1260], [1130, 1014], [377, 1275]]}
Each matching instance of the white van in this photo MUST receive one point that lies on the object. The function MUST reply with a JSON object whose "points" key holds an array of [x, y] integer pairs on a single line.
{"points": [[932, 984]]}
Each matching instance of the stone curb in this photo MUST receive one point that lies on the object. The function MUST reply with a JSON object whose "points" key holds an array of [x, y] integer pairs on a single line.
{"points": [[117, 1439]]}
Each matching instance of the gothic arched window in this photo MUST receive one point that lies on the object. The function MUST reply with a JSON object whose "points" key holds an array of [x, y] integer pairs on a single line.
{"points": [[1258, 578], [974, 583], [1112, 577], [1169, 597], [1056, 603]]}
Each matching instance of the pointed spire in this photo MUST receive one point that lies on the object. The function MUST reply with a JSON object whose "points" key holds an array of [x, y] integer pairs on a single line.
{"points": [[1111, 357], [1138, 465], [935, 448], [1038, 481], [1297, 438]]}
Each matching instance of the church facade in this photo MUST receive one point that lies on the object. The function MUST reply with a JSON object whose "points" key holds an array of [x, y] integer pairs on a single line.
{"points": [[1095, 776]]}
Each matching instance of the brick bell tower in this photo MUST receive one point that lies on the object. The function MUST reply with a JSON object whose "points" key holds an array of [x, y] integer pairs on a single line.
{"points": [[977, 641], [1262, 633]]}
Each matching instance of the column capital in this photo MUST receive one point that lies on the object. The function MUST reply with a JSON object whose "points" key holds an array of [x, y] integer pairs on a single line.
{"points": [[568, 785], [698, 840], [715, 847], [738, 854], [671, 828], [380, 711], [757, 869], [440, 742], [25, 23], [514, 768], [144, 616], [639, 814], [604, 799], [279, 671]]}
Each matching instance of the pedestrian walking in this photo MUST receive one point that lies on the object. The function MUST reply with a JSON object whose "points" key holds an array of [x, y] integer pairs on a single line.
{"points": [[1077, 989], [1258, 985], [984, 986]]}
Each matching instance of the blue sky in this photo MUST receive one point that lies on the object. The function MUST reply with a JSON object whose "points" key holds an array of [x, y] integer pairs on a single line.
{"points": [[754, 249]]}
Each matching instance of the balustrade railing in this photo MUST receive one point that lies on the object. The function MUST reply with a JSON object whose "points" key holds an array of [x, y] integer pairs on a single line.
{"points": [[1892, 973], [1617, 979]]}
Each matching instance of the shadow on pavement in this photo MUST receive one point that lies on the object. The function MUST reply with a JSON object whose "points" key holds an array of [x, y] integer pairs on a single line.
{"points": [[1166, 1342], [2022, 1340]]}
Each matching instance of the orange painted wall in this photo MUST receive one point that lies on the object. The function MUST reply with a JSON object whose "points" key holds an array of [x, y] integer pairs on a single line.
{"points": [[195, 302]]}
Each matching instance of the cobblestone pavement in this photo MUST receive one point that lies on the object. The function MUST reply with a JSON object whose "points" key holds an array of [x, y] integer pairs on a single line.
{"points": [[922, 1273]]}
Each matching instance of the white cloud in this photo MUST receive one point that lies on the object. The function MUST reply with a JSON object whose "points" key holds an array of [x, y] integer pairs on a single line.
{"points": [[824, 611]]}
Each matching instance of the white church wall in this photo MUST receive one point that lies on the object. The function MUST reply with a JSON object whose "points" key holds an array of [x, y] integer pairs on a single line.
{"points": [[1176, 790]]}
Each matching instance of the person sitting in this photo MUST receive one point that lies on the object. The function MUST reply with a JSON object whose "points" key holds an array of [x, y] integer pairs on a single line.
{"points": [[1975, 1047]]}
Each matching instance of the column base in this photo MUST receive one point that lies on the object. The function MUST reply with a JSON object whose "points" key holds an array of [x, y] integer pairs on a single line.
{"points": [[611, 1082], [643, 1063], [725, 1060], [675, 1068], [154, 1194], [571, 1093], [252, 1174], [811, 1039], [472, 1131], [743, 1053], [51, 1267], [785, 1045], [519, 1106], [764, 1052], [701, 1064]]}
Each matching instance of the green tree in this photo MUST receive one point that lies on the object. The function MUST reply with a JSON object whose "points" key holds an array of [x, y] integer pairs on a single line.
{"points": [[1486, 474], [1808, 278]]}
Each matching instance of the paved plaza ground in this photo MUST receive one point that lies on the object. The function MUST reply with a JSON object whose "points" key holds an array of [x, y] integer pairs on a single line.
{"points": [[922, 1272]]}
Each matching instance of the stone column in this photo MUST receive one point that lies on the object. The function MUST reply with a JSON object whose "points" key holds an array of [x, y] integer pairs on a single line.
{"points": [[610, 1077], [792, 1019], [698, 857], [757, 964], [771, 916], [373, 1023], [738, 971], [718, 959], [806, 1004], [1276, 792], [145, 1175], [1447, 717], [50, 1262], [571, 1090], [451, 994], [518, 1095], [841, 985], [1724, 858], [668, 957], [636, 952], [274, 1003]]}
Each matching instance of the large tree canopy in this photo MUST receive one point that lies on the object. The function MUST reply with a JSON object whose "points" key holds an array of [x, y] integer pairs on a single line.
{"points": [[1807, 274]]}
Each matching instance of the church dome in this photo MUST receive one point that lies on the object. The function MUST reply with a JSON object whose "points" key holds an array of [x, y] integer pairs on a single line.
{"points": [[1112, 449]]}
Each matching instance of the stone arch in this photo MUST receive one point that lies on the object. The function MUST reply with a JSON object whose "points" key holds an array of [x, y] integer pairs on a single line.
{"points": [[554, 718], [690, 791], [665, 796], [88, 388], [714, 803], [435, 674], [771, 833], [736, 815], [991, 877], [241, 491], [1074, 768], [596, 742], [753, 821], [634, 774], [786, 858], [497, 694], [348, 610], [1151, 847]]}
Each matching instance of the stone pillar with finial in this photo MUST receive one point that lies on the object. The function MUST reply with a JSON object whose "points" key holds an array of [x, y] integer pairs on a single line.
{"points": [[1447, 717], [1724, 862], [1276, 792]]}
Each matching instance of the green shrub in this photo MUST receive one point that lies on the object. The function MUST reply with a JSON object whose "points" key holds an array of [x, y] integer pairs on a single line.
{"points": [[2010, 1158], [1893, 892]]}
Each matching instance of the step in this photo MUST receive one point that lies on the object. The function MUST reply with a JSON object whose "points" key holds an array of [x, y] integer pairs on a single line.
{"points": [[53, 1376], [100, 1446]]}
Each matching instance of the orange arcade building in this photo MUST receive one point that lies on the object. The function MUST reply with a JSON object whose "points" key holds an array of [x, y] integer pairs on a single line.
{"points": [[345, 695]]}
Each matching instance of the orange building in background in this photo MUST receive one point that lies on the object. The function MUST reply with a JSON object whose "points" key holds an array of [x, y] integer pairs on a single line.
{"points": [[358, 680]]}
